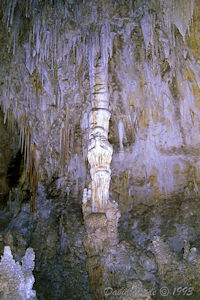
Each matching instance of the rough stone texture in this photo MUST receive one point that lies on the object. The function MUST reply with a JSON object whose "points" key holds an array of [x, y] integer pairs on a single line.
{"points": [[55, 233], [100, 242], [51, 59], [8, 153], [167, 239]]}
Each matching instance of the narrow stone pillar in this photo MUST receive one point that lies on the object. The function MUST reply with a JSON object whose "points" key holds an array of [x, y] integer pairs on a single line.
{"points": [[99, 149]]}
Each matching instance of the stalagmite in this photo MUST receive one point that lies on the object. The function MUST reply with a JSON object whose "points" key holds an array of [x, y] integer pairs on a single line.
{"points": [[16, 279]]}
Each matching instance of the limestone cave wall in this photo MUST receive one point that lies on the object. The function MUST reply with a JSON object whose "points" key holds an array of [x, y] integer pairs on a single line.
{"points": [[56, 59]]}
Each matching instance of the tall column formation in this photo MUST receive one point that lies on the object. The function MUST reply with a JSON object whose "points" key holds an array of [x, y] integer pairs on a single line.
{"points": [[100, 215], [99, 149]]}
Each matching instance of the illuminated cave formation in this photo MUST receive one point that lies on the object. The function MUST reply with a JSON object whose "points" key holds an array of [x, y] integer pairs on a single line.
{"points": [[99, 152]]}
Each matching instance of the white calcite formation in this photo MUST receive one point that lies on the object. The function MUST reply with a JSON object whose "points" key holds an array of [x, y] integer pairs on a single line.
{"points": [[121, 134], [99, 149], [16, 281]]}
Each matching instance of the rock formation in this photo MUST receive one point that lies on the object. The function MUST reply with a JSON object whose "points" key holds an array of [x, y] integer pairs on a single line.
{"points": [[99, 153], [99, 149], [17, 280]]}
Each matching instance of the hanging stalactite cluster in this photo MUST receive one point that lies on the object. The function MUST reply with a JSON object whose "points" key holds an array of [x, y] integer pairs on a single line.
{"points": [[63, 33], [28, 150]]}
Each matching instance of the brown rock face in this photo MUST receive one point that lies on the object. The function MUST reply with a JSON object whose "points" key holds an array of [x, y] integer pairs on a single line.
{"points": [[10, 160]]}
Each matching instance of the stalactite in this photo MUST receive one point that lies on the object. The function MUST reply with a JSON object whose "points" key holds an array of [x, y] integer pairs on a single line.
{"points": [[148, 28], [172, 14], [19, 122], [64, 141], [182, 13], [33, 175], [121, 134]]}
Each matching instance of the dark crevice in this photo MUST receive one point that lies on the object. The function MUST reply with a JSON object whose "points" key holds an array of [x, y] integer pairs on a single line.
{"points": [[15, 170]]}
